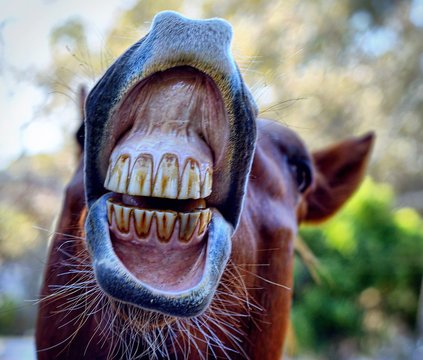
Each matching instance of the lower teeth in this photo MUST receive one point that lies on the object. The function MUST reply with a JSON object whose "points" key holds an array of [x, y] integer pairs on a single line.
{"points": [[141, 220]]}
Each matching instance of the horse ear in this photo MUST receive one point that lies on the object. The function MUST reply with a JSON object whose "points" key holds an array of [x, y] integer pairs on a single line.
{"points": [[339, 170]]}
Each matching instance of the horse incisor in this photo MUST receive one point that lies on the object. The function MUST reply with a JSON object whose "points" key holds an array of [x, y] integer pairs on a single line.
{"points": [[177, 231]]}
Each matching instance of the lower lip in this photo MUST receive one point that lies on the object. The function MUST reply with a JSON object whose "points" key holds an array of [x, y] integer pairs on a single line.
{"points": [[116, 281]]}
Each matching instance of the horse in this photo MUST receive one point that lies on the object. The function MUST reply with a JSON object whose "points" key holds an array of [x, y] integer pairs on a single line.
{"points": [[176, 236]]}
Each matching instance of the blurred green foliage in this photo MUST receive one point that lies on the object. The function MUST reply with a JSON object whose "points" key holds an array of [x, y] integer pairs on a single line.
{"points": [[17, 232], [9, 311], [371, 265], [15, 318]]}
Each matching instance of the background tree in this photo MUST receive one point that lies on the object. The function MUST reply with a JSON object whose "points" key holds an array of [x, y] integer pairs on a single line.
{"points": [[326, 68]]}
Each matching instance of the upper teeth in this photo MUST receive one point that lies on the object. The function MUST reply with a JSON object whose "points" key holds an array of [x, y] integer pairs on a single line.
{"points": [[137, 177]]}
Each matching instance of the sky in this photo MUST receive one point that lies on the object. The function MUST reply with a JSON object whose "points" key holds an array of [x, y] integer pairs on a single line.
{"points": [[24, 51]]}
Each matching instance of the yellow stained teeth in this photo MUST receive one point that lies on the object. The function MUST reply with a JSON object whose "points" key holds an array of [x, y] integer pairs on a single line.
{"points": [[140, 182], [117, 175], [206, 187], [205, 218], [188, 223], [125, 220], [167, 178], [166, 221], [165, 224], [190, 183], [122, 214], [109, 211], [143, 221], [168, 182]]}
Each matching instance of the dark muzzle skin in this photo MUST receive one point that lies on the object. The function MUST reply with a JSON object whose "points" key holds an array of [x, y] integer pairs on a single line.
{"points": [[173, 42]]}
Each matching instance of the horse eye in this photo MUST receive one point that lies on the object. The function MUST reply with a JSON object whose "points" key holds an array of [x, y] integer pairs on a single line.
{"points": [[301, 171]]}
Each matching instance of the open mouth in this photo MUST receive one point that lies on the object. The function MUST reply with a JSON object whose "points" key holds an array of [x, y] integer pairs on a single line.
{"points": [[162, 243], [157, 238]]}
